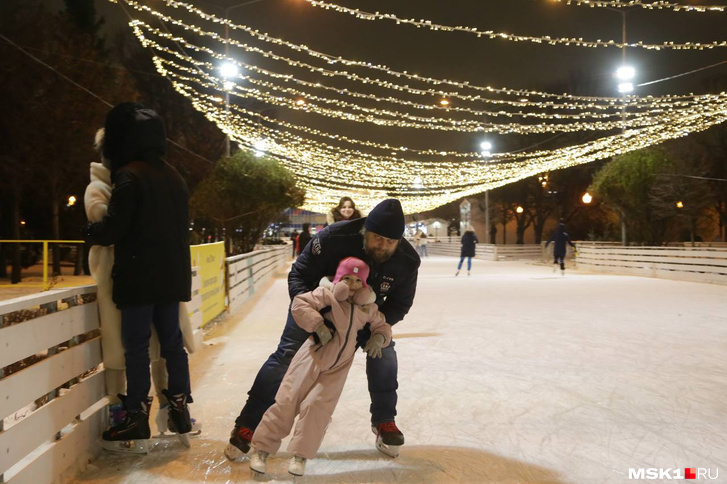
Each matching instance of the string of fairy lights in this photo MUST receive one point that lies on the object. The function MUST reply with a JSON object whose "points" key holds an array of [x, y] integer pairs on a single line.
{"points": [[491, 34], [329, 165], [305, 100], [331, 60], [660, 5]]}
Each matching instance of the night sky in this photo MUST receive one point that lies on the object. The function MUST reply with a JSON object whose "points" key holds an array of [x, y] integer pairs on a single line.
{"points": [[498, 63]]}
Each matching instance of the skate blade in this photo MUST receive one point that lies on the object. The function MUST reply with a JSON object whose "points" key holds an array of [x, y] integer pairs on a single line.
{"points": [[140, 446], [390, 450], [184, 439], [164, 435], [233, 453]]}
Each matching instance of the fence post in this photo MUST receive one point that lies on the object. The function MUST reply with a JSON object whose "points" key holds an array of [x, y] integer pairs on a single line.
{"points": [[45, 265]]}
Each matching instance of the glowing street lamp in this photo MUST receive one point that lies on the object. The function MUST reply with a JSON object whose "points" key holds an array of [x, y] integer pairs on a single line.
{"points": [[436, 230], [444, 102], [519, 209], [587, 198], [71, 201], [680, 204]]}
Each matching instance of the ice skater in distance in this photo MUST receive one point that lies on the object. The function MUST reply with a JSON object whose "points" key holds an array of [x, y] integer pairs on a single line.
{"points": [[559, 238]]}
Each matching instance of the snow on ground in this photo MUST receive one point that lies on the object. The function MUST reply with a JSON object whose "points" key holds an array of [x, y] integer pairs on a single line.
{"points": [[514, 374]]}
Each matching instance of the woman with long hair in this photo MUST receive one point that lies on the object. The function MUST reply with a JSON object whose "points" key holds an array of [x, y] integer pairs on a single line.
{"points": [[345, 210]]}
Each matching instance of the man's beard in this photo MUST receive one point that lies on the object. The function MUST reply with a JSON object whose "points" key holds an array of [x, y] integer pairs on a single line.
{"points": [[378, 256]]}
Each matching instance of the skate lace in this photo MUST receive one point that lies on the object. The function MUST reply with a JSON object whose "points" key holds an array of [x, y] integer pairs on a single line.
{"points": [[388, 427], [245, 433]]}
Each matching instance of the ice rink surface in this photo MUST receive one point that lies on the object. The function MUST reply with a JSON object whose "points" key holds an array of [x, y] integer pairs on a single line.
{"points": [[514, 374]]}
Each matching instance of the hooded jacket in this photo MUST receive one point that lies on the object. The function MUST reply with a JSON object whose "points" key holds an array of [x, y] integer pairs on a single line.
{"points": [[559, 238], [147, 220], [394, 282]]}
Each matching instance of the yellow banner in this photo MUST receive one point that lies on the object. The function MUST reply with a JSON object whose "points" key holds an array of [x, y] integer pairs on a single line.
{"points": [[210, 258]]}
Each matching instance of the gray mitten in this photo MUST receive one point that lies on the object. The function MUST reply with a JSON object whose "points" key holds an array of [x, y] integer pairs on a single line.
{"points": [[324, 334], [374, 345]]}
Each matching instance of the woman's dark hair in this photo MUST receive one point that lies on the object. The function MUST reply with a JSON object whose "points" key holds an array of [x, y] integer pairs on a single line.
{"points": [[336, 211]]}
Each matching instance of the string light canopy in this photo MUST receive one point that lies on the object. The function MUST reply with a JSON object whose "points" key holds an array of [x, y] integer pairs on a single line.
{"points": [[491, 34], [660, 5], [329, 165]]}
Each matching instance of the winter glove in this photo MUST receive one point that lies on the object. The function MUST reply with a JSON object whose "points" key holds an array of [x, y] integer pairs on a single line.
{"points": [[374, 345], [324, 334], [363, 336]]}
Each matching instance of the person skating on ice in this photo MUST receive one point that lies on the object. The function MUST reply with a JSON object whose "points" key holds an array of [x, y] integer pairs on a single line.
{"points": [[559, 238], [394, 264], [469, 243], [315, 378]]}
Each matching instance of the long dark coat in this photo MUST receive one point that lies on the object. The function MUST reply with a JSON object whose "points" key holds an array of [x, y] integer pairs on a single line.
{"points": [[469, 243]]}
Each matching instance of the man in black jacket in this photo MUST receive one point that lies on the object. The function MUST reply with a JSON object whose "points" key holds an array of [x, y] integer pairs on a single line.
{"points": [[147, 223], [376, 239]]}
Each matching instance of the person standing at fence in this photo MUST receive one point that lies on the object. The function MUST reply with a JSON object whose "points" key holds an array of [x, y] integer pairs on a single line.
{"points": [[345, 210], [101, 261], [303, 238], [559, 238], [469, 244], [147, 223], [377, 240]]}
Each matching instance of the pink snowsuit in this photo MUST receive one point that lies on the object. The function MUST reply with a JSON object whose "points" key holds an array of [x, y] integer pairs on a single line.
{"points": [[314, 381]]}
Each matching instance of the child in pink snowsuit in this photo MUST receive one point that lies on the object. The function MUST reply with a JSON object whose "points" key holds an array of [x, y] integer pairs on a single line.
{"points": [[314, 381]]}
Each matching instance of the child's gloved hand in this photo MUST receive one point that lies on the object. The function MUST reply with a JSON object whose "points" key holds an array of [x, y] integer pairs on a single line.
{"points": [[324, 334], [374, 345]]}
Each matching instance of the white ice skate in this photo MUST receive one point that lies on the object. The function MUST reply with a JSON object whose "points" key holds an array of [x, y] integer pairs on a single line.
{"points": [[141, 446], [296, 466], [258, 462]]}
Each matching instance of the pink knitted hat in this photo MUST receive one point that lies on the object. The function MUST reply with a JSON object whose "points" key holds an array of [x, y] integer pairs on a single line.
{"points": [[352, 266]]}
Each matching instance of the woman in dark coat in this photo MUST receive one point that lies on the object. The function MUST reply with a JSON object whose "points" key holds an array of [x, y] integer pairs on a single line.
{"points": [[559, 238], [469, 242]]}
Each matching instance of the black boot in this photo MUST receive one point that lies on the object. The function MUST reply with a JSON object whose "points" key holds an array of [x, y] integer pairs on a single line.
{"points": [[135, 425], [179, 420]]}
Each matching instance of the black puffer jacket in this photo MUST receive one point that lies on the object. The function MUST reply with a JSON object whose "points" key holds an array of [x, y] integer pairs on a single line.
{"points": [[469, 243], [394, 281], [147, 220]]}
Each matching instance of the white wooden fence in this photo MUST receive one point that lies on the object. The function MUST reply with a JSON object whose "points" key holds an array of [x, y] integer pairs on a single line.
{"points": [[486, 251], [699, 264], [246, 271], [53, 404], [52, 393]]}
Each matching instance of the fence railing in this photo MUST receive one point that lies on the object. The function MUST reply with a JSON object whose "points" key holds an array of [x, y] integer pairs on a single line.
{"points": [[699, 264], [52, 388], [246, 271], [493, 252], [52, 391], [30, 255]]}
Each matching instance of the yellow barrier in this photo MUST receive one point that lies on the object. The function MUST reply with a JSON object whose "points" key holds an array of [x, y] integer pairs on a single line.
{"points": [[45, 243], [210, 259]]}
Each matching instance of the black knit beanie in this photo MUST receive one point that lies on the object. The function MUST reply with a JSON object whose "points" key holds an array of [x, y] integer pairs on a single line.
{"points": [[387, 219]]}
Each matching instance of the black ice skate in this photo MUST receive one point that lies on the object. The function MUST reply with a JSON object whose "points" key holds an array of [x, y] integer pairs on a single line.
{"points": [[239, 445], [388, 438], [179, 420], [132, 434]]}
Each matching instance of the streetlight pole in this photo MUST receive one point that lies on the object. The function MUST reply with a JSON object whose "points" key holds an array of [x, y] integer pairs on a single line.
{"points": [[227, 55], [625, 74], [486, 147]]}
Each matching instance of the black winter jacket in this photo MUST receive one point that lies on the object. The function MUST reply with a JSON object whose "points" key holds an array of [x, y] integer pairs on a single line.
{"points": [[469, 243], [394, 281], [147, 220], [560, 237], [148, 225]]}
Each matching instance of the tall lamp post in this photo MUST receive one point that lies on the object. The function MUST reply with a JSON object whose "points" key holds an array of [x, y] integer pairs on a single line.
{"points": [[436, 231], [486, 146], [229, 70]]}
